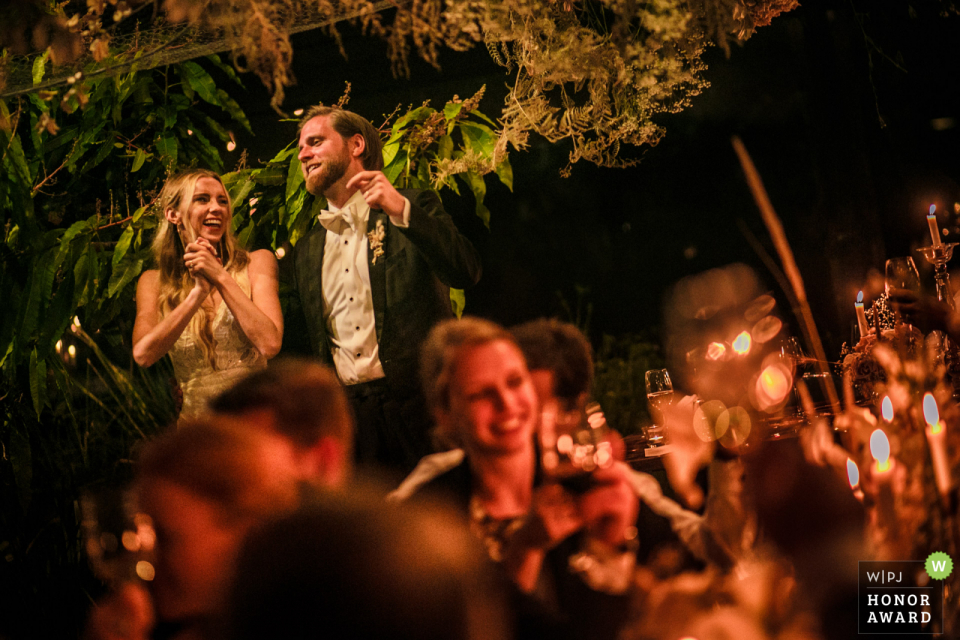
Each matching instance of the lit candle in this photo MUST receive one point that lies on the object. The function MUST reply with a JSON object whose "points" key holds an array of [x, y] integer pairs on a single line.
{"points": [[932, 223], [853, 475], [882, 477], [861, 316], [880, 448], [886, 409], [937, 439]]}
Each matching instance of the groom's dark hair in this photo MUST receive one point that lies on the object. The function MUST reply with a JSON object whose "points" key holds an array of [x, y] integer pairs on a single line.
{"points": [[349, 124]]}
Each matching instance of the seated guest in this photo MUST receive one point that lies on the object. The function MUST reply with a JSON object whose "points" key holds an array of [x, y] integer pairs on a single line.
{"points": [[348, 567], [211, 305], [573, 550], [303, 402], [203, 486]]}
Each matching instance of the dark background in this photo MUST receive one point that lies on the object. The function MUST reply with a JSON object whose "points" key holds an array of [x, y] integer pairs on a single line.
{"points": [[850, 118]]}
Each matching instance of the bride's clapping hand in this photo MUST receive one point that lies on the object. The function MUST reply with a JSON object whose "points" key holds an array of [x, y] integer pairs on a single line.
{"points": [[202, 262]]}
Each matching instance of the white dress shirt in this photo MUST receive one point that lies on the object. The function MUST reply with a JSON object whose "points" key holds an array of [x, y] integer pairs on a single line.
{"points": [[347, 298]]}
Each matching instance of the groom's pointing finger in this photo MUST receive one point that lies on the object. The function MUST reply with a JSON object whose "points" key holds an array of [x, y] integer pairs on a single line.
{"points": [[361, 179]]}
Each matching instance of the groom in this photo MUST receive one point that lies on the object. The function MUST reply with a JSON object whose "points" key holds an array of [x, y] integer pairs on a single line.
{"points": [[372, 279]]}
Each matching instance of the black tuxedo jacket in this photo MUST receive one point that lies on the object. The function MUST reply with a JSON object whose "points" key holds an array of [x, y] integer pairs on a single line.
{"points": [[410, 283]]}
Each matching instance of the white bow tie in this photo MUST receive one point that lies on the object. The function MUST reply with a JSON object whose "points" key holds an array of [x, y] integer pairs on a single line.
{"points": [[331, 220]]}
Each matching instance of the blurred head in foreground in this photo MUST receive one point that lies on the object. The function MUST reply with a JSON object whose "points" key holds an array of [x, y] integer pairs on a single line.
{"points": [[559, 359], [723, 343], [303, 402], [204, 485], [349, 566]]}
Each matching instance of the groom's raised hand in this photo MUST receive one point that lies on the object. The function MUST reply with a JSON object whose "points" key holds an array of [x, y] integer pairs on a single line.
{"points": [[379, 193]]}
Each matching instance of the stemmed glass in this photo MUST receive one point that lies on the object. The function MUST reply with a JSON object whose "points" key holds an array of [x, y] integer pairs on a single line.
{"points": [[902, 285], [659, 397], [574, 443]]}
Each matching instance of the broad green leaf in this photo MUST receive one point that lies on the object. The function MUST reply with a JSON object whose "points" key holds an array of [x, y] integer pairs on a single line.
{"points": [[168, 148], [226, 68], [445, 147], [294, 178], [411, 116], [200, 81], [38, 382], [139, 213], [484, 214], [138, 160], [66, 135], [294, 207], [396, 167], [217, 128], [123, 275], [40, 287], [57, 318], [239, 191], [17, 162], [102, 153], [479, 189], [244, 236], [123, 245], [390, 152], [505, 173], [458, 301], [423, 174], [273, 175], [483, 117], [452, 110], [305, 220], [230, 106], [479, 137], [39, 67]]}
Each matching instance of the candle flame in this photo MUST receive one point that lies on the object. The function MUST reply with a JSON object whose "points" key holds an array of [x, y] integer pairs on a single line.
{"points": [[886, 409], [716, 351], [742, 343], [853, 473], [933, 209], [930, 412], [773, 385], [860, 297], [880, 448]]}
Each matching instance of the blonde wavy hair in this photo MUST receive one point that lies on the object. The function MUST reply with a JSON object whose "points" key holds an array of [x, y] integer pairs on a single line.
{"points": [[168, 249]]}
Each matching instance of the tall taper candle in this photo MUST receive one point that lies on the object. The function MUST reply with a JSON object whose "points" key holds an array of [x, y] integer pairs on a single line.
{"points": [[932, 223]]}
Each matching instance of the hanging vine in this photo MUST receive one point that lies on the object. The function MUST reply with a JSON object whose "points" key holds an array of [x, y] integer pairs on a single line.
{"points": [[595, 73]]}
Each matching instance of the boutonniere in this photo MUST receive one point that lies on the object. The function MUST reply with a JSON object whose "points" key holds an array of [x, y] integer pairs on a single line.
{"points": [[376, 238]]}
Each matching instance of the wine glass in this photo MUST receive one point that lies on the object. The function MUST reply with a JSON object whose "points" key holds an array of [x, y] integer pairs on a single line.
{"points": [[902, 285], [575, 443], [659, 397]]}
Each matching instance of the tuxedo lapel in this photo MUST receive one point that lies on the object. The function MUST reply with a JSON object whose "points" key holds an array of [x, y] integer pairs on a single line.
{"points": [[378, 270]]}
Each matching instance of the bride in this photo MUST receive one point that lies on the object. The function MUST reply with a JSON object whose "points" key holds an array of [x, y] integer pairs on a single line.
{"points": [[211, 305]]}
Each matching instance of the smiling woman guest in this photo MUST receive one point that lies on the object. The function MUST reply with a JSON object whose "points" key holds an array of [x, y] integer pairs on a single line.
{"points": [[568, 554], [211, 305]]}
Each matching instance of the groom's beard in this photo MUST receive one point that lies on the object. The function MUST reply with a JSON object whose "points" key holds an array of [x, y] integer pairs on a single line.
{"points": [[329, 172]]}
